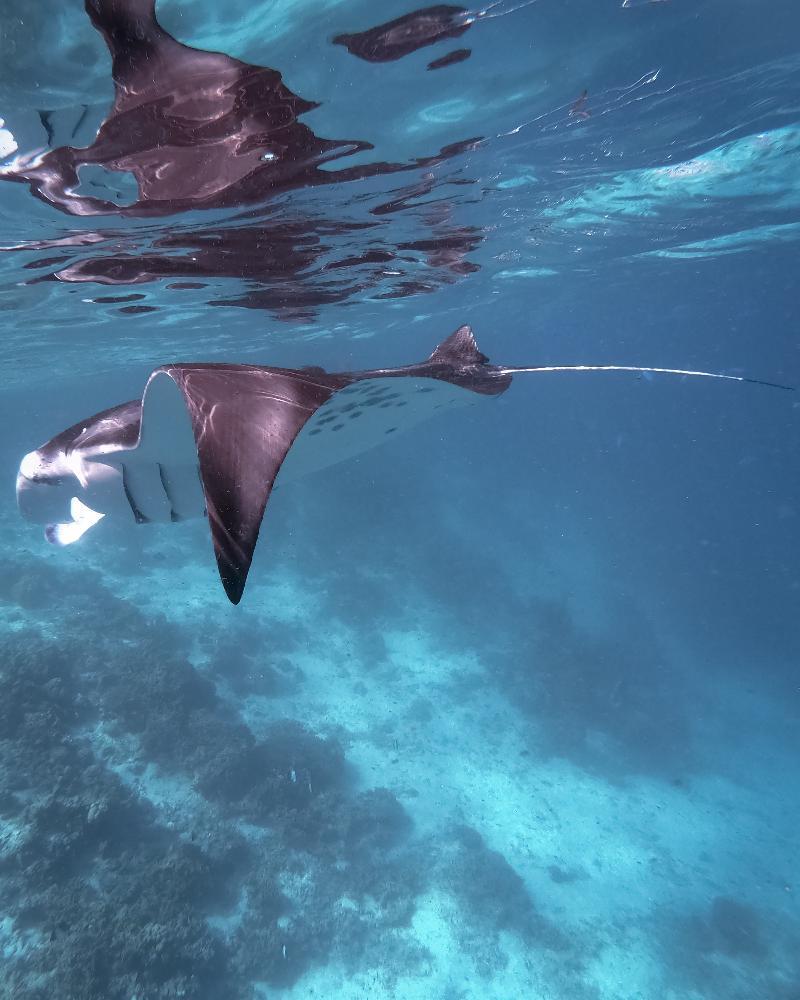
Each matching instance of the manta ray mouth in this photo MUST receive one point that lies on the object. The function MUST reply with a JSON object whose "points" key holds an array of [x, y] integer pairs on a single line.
{"points": [[43, 499]]}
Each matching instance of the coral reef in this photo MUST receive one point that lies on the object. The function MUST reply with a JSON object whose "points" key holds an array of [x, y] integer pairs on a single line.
{"points": [[491, 893], [275, 863], [729, 949]]}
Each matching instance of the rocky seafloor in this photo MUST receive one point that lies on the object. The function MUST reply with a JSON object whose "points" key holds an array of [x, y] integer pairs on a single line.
{"points": [[297, 805]]}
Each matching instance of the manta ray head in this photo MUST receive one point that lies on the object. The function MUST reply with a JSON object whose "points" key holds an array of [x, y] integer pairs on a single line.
{"points": [[45, 488]]}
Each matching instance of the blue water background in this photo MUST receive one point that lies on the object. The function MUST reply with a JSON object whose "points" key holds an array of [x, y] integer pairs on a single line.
{"points": [[605, 565]]}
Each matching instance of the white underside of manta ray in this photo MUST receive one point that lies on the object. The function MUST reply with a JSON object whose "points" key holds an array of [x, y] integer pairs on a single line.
{"points": [[211, 439]]}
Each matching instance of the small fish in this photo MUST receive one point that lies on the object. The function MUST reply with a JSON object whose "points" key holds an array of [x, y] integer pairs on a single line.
{"points": [[578, 108]]}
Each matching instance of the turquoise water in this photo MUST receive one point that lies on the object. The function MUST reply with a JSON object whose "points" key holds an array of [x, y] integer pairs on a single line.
{"points": [[509, 708]]}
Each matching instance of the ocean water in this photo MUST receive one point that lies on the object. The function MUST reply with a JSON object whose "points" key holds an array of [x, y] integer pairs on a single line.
{"points": [[510, 706]]}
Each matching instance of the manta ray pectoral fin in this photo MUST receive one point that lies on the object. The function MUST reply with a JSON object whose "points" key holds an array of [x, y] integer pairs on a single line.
{"points": [[244, 420], [83, 518]]}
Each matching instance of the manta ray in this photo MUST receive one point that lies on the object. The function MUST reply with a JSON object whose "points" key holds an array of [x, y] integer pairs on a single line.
{"points": [[211, 440]]}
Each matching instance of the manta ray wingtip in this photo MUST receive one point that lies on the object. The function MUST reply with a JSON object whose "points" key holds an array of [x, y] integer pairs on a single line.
{"points": [[234, 589], [232, 574]]}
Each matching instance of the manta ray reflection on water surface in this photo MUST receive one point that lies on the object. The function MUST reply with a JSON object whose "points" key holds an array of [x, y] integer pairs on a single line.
{"points": [[211, 439], [193, 130], [420, 28]]}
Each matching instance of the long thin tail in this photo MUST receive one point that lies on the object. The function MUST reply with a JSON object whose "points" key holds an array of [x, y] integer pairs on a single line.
{"points": [[636, 368]]}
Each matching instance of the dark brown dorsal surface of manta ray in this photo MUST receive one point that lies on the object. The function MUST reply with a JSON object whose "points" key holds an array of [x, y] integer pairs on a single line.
{"points": [[211, 439]]}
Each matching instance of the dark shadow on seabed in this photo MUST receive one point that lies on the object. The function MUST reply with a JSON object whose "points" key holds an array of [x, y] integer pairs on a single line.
{"points": [[111, 895]]}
